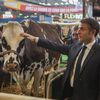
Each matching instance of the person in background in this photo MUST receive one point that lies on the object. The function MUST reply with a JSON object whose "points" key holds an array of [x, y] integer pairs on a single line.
{"points": [[68, 37], [72, 35], [82, 75], [75, 36], [98, 37]]}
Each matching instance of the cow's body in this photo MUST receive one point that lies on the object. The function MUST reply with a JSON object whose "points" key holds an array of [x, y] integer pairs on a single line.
{"points": [[25, 57]]}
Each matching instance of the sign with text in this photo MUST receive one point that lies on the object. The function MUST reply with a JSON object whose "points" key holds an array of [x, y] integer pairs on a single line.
{"points": [[41, 9], [47, 9]]}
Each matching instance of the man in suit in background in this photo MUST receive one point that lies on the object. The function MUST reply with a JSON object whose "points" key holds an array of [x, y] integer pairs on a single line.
{"points": [[98, 37], [72, 35], [82, 76], [75, 36]]}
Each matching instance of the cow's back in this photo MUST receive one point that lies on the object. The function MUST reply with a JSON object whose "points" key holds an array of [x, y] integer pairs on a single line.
{"points": [[51, 32]]}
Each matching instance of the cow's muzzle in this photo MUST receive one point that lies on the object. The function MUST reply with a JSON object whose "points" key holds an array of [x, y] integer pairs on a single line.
{"points": [[11, 67]]}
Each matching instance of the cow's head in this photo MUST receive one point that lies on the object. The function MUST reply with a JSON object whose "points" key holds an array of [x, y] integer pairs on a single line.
{"points": [[12, 45]]}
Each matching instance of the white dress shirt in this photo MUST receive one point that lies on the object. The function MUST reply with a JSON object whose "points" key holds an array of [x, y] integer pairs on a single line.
{"points": [[89, 46]]}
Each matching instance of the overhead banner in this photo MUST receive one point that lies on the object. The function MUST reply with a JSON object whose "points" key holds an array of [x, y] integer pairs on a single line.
{"points": [[42, 9], [46, 9]]}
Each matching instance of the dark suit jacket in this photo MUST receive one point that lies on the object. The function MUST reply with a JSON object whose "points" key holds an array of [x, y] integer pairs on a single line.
{"points": [[87, 86]]}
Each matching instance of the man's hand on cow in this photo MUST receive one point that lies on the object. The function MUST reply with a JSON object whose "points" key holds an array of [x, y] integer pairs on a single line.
{"points": [[30, 37]]}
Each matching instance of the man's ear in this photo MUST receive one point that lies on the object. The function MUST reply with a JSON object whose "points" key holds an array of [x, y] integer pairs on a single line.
{"points": [[94, 32]]}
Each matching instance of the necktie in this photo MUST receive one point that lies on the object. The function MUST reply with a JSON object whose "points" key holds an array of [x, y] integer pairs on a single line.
{"points": [[78, 65]]}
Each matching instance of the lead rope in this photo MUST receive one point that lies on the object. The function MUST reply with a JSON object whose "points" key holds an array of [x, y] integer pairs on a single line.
{"points": [[15, 77]]}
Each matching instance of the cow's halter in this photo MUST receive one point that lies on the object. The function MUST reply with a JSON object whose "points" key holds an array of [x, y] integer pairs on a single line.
{"points": [[7, 52]]}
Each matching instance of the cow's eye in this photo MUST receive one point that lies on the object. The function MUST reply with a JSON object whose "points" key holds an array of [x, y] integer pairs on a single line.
{"points": [[4, 44], [21, 44], [8, 47]]}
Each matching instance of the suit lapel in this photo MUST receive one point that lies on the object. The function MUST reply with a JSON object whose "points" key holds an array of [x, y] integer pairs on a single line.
{"points": [[75, 55], [89, 56], [71, 61]]}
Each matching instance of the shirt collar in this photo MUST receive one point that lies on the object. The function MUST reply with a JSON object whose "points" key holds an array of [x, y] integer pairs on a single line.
{"points": [[89, 46]]}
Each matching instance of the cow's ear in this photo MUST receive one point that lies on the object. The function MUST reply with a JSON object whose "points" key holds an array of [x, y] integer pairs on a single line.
{"points": [[3, 28]]}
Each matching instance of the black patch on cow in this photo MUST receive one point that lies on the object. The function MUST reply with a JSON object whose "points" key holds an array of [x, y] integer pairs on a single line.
{"points": [[4, 44], [24, 26], [26, 60], [24, 70], [32, 65], [43, 62], [1, 29], [38, 66], [11, 60], [21, 44], [31, 71]]}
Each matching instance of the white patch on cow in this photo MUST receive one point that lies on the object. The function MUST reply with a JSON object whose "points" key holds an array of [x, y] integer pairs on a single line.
{"points": [[30, 71], [44, 36], [13, 28], [1, 59], [22, 51], [37, 75], [50, 65], [36, 72], [46, 58], [7, 57], [42, 30], [27, 77], [0, 41], [26, 23], [11, 32]]}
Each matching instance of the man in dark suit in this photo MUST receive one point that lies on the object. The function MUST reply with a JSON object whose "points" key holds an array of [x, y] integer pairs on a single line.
{"points": [[82, 78]]}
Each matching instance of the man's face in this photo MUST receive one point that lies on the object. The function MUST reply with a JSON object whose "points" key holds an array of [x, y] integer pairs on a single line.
{"points": [[75, 35], [86, 34]]}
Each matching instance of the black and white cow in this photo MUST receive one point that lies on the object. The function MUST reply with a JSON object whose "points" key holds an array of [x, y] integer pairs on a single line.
{"points": [[23, 57], [5, 77]]}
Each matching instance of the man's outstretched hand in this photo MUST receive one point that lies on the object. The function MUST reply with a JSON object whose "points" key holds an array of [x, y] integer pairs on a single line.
{"points": [[30, 37]]}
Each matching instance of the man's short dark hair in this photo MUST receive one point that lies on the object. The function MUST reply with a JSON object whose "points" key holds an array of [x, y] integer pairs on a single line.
{"points": [[92, 23], [75, 28]]}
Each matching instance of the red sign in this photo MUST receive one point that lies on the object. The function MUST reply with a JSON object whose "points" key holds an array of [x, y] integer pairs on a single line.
{"points": [[45, 9]]}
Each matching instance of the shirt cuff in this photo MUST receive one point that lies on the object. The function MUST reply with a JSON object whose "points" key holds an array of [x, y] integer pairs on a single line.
{"points": [[36, 39]]}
